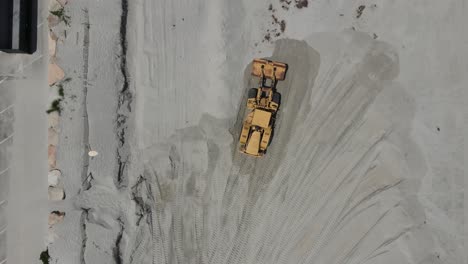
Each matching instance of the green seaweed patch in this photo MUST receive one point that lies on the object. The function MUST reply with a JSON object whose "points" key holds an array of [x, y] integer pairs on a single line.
{"points": [[62, 15], [45, 257], [55, 106]]}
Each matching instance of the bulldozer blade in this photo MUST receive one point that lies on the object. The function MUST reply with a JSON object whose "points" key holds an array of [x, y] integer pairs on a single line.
{"points": [[270, 69]]}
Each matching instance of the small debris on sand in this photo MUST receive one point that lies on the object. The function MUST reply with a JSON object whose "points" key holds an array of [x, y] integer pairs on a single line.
{"points": [[360, 10], [283, 25], [93, 153], [273, 33], [301, 3], [275, 19], [374, 36], [285, 4]]}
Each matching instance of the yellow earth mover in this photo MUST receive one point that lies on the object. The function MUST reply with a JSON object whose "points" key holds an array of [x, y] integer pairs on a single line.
{"points": [[262, 105]]}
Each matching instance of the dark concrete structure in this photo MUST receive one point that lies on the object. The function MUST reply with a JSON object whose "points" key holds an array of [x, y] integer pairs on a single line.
{"points": [[18, 26]]}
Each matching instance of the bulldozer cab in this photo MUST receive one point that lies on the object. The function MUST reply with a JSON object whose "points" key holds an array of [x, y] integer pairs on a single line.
{"points": [[261, 118]]}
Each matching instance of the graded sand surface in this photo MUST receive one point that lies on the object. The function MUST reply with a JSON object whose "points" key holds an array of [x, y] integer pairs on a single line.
{"points": [[365, 164]]}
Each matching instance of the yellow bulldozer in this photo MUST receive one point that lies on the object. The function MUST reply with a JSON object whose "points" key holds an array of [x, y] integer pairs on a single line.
{"points": [[262, 104]]}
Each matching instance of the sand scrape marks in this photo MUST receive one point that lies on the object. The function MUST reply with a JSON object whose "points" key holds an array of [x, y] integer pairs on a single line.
{"points": [[336, 146], [326, 155], [175, 191], [251, 176]]}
